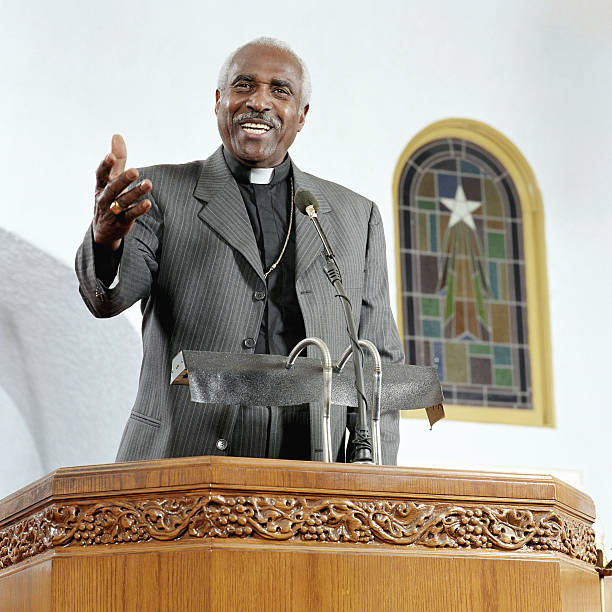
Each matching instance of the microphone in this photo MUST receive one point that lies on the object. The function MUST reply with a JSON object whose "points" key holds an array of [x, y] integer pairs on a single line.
{"points": [[307, 204]]}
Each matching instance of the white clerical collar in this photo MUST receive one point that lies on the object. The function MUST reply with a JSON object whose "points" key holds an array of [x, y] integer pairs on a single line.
{"points": [[261, 176]]}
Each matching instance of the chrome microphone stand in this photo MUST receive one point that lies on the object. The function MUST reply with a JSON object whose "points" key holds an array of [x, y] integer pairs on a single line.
{"points": [[327, 388]]}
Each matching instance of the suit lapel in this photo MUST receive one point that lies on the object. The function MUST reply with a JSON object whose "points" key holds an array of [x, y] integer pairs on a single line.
{"points": [[223, 208], [224, 211], [308, 245]]}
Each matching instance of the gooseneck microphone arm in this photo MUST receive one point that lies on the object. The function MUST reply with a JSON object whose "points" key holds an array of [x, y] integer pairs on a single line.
{"points": [[327, 250], [362, 441]]}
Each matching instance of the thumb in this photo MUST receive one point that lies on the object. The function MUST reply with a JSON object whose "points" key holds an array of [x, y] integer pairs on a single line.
{"points": [[119, 150]]}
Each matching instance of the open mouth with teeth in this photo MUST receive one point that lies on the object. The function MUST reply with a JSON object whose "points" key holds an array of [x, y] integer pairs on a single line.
{"points": [[255, 128]]}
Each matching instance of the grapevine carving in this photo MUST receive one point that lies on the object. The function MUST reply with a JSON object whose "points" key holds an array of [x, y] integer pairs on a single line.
{"points": [[281, 518]]}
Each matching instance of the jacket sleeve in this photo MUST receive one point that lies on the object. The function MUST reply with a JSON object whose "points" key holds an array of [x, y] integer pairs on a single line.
{"points": [[376, 322], [137, 267]]}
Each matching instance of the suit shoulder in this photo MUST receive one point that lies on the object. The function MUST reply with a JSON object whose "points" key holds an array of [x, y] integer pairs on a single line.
{"points": [[172, 171], [342, 198], [335, 189]]}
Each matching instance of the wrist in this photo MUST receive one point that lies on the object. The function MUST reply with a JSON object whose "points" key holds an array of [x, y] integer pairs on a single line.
{"points": [[108, 245]]}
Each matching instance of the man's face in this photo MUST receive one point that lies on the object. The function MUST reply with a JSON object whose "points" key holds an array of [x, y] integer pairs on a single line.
{"points": [[259, 112]]}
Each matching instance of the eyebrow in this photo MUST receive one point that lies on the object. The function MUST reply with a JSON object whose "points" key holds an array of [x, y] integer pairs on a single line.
{"points": [[251, 79], [282, 83], [243, 77]]}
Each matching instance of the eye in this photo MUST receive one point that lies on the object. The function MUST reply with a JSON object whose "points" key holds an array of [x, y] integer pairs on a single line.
{"points": [[281, 91], [244, 85]]}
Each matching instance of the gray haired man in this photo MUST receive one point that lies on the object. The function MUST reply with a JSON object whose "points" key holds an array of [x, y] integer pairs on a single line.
{"points": [[220, 262]]}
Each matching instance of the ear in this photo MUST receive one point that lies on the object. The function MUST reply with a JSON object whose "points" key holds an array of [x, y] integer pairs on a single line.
{"points": [[302, 117], [217, 100]]}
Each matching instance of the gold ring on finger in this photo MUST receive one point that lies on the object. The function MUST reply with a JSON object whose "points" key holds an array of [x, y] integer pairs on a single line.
{"points": [[116, 207]]}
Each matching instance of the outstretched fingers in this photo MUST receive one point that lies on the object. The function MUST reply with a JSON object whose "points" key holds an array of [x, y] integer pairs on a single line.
{"points": [[126, 198], [103, 172], [135, 211], [116, 187], [117, 205]]}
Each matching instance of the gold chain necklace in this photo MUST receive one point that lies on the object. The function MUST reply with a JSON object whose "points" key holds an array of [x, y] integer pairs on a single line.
{"points": [[288, 232]]}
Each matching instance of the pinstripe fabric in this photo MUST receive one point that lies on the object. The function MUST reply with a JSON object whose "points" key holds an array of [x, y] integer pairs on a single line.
{"points": [[193, 262]]}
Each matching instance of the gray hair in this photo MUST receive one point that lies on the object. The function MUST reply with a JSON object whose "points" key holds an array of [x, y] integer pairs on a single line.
{"points": [[263, 41]]}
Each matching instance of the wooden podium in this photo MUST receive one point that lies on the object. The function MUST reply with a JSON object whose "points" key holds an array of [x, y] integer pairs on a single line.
{"points": [[233, 534]]}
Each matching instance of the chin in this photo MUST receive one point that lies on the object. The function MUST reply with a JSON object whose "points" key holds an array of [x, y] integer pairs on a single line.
{"points": [[254, 151], [252, 158]]}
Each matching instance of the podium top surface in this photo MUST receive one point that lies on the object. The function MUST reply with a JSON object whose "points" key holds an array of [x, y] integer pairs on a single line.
{"points": [[191, 475]]}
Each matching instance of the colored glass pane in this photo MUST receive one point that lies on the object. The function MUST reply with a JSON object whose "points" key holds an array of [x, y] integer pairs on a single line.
{"points": [[480, 349], [423, 241], [468, 168], [433, 232], [502, 355], [426, 204], [471, 188], [429, 274], [480, 370], [456, 362], [500, 322], [493, 205], [447, 164], [426, 186], [503, 377], [430, 307], [431, 328], [447, 185], [497, 245], [504, 290], [493, 282]]}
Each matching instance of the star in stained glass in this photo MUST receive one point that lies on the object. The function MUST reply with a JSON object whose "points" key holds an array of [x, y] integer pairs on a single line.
{"points": [[461, 208]]}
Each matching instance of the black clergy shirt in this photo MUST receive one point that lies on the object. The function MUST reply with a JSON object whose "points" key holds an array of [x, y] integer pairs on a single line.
{"points": [[269, 209]]}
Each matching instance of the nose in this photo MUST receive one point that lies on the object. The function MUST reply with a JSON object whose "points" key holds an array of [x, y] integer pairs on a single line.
{"points": [[259, 100]]}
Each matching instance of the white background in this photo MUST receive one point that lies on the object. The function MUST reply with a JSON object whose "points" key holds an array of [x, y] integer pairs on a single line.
{"points": [[75, 72]]}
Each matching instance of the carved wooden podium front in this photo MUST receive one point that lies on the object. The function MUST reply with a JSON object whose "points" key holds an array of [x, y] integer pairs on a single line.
{"points": [[233, 534]]}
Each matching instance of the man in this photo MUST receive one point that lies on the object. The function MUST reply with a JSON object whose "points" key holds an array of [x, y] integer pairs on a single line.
{"points": [[221, 262]]}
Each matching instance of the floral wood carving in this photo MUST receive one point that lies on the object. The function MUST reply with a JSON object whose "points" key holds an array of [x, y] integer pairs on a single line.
{"points": [[299, 518], [25, 539]]}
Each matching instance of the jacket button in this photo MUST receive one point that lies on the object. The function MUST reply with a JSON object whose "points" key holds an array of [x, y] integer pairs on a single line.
{"points": [[248, 343], [222, 444], [259, 295]]}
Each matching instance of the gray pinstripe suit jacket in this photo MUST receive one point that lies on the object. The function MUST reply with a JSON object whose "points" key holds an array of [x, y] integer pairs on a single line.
{"points": [[194, 263]]}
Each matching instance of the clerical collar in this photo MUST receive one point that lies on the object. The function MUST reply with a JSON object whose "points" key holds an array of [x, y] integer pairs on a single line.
{"points": [[261, 176], [246, 175]]}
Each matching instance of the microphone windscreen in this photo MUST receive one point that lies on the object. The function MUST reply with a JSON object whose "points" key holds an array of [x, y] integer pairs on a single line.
{"points": [[303, 199]]}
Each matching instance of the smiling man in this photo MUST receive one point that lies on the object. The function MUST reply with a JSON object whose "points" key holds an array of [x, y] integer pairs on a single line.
{"points": [[220, 262], [260, 104]]}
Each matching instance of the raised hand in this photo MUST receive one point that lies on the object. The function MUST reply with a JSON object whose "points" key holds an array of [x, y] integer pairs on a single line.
{"points": [[114, 209]]}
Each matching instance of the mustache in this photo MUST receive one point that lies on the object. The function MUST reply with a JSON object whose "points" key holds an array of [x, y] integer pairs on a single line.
{"points": [[263, 116]]}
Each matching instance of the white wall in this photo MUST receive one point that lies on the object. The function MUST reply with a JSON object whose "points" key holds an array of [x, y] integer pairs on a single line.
{"points": [[537, 71], [67, 380]]}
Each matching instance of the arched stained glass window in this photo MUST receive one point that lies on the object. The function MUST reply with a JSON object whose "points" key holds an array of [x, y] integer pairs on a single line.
{"points": [[473, 298]]}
